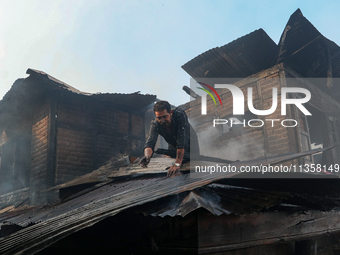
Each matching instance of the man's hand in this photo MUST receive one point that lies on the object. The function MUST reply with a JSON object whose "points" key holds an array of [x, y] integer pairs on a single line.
{"points": [[144, 161], [173, 170]]}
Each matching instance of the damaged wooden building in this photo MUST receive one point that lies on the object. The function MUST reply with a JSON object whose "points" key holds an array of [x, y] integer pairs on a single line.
{"points": [[52, 133], [142, 211], [303, 58]]}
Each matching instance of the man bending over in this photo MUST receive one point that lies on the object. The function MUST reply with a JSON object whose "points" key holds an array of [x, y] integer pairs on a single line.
{"points": [[173, 125]]}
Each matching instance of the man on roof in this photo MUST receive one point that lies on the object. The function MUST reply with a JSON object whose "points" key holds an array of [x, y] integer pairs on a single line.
{"points": [[174, 127]]}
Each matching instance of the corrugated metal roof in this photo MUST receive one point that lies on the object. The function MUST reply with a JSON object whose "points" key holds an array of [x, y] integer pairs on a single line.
{"points": [[99, 175], [39, 83], [60, 84], [305, 49], [54, 223], [242, 196], [301, 47], [245, 56]]}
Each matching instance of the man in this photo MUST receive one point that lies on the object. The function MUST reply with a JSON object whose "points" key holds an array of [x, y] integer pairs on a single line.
{"points": [[173, 125]]}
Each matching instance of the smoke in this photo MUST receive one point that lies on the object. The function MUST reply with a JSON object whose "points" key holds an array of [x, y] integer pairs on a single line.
{"points": [[231, 144]]}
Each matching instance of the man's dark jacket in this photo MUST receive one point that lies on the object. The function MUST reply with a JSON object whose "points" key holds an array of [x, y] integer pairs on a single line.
{"points": [[183, 133]]}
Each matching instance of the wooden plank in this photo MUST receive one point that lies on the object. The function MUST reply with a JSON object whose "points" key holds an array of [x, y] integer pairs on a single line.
{"points": [[52, 143], [294, 142], [265, 134]]}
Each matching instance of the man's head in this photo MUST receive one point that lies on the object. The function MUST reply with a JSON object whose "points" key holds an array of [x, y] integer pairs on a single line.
{"points": [[163, 112]]}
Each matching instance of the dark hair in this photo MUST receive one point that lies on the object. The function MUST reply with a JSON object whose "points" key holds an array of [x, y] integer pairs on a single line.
{"points": [[162, 105]]}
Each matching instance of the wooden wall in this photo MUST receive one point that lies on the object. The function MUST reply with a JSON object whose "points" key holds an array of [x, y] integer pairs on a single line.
{"points": [[249, 142], [89, 134], [39, 155], [63, 138], [271, 139]]}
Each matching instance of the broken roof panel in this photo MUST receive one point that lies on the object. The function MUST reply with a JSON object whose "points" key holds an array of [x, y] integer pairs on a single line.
{"points": [[245, 56]]}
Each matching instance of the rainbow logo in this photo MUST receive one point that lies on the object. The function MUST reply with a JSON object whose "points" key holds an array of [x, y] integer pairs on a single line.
{"points": [[212, 89]]}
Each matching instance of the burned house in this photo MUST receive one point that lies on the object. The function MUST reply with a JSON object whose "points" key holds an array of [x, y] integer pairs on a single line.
{"points": [[142, 211], [52, 133], [303, 58]]}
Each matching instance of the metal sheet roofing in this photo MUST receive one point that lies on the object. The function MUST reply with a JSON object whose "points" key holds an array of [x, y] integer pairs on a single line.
{"points": [[301, 47], [306, 50], [40, 83], [245, 56], [60, 84], [53, 223], [216, 198]]}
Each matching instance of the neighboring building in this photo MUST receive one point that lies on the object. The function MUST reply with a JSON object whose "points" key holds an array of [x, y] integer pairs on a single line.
{"points": [[52, 133]]}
